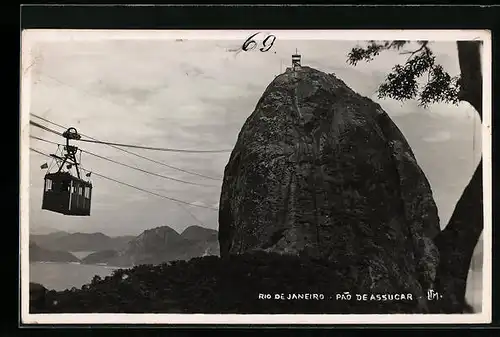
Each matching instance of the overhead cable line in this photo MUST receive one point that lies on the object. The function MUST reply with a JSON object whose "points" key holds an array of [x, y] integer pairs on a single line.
{"points": [[133, 153], [191, 214], [130, 152], [46, 128], [151, 147], [125, 165], [130, 145], [132, 186], [180, 205], [45, 140], [93, 140]]}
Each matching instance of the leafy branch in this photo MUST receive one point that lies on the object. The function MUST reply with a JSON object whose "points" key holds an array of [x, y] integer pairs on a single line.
{"points": [[402, 82]]}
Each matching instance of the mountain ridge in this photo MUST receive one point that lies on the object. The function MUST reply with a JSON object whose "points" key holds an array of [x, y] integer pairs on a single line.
{"points": [[79, 241], [160, 244], [41, 254]]}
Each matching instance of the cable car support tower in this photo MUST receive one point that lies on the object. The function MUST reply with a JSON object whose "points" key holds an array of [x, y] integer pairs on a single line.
{"points": [[70, 152]]}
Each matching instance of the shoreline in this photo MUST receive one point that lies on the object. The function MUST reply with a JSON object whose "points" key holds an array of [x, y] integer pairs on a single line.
{"points": [[81, 264]]}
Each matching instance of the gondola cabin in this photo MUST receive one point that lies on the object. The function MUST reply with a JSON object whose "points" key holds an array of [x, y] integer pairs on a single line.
{"points": [[63, 193]]}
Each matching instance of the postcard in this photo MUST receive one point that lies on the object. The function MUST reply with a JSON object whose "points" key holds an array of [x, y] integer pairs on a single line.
{"points": [[255, 177]]}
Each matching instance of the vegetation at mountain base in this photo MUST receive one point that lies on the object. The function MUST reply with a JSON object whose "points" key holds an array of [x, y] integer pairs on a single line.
{"points": [[219, 285]]}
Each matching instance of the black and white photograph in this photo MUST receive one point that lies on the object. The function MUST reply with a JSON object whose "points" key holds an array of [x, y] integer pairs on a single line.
{"points": [[255, 177]]}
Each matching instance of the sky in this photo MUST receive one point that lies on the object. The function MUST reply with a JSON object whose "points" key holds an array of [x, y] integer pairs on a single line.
{"points": [[196, 95]]}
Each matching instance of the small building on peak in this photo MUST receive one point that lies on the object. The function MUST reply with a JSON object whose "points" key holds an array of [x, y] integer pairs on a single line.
{"points": [[296, 62], [296, 58]]}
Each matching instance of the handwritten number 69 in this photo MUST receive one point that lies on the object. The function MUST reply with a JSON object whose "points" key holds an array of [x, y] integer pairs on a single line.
{"points": [[250, 44]]}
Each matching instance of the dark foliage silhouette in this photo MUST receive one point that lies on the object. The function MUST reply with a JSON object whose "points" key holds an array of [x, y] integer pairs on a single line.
{"points": [[217, 285]]}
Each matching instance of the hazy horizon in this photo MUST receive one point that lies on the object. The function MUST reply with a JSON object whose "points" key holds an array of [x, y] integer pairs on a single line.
{"points": [[196, 94], [47, 230]]}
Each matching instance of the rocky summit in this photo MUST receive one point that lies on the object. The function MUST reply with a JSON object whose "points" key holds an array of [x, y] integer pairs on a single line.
{"points": [[321, 171]]}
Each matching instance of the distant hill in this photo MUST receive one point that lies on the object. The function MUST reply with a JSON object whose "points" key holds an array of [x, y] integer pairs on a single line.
{"points": [[102, 256], [161, 244], [75, 242], [39, 254], [198, 233]]}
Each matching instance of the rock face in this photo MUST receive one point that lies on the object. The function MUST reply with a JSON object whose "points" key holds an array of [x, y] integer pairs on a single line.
{"points": [[321, 171]]}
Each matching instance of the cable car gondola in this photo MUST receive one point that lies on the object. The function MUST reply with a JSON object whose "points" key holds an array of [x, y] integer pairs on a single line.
{"points": [[64, 192]]}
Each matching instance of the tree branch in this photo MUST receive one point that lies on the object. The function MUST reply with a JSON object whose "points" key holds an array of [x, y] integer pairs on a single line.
{"points": [[422, 47], [456, 244], [471, 84]]}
